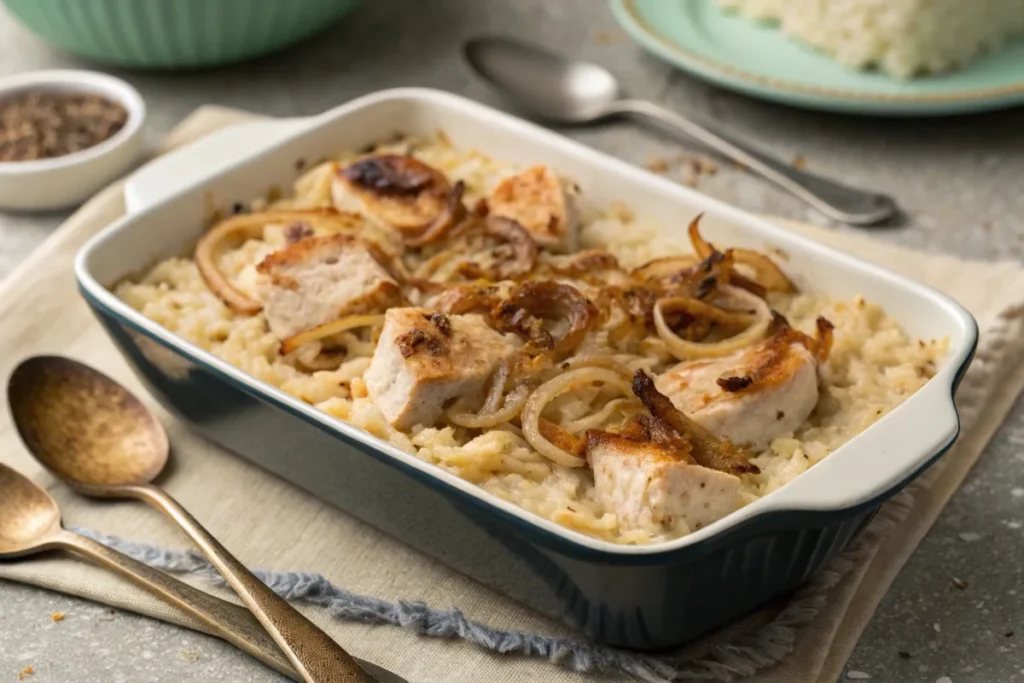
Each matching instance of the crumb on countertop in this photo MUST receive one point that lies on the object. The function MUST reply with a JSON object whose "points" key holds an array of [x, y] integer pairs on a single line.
{"points": [[657, 165], [606, 37], [27, 671], [960, 584], [58, 616], [799, 162]]}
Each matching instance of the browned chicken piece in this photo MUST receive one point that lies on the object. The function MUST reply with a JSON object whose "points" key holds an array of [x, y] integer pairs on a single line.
{"points": [[670, 424], [752, 396], [539, 201], [425, 359], [399, 191], [320, 279], [648, 484]]}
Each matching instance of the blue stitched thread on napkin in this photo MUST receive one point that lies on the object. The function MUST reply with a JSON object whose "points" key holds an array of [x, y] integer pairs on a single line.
{"points": [[577, 655]]}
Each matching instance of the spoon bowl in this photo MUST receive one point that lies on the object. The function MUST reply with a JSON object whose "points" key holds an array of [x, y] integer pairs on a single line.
{"points": [[30, 515], [102, 441], [84, 427], [556, 89]]}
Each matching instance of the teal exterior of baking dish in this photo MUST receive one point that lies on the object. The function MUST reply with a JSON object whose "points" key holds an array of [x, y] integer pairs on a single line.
{"points": [[644, 602], [175, 34]]}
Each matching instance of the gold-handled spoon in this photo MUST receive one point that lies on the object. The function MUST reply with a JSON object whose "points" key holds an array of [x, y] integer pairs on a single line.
{"points": [[30, 523], [96, 436]]}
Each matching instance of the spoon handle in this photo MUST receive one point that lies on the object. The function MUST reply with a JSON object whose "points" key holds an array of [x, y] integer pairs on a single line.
{"points": [[313, 653], [837, 201], [223, 619]]}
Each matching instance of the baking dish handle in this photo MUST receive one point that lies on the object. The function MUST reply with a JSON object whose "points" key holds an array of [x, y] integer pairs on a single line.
{"points": [[204, 158], [888, 454]]}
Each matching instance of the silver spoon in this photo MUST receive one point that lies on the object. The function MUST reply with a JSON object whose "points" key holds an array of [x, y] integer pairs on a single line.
{"points": [[563, 91]]}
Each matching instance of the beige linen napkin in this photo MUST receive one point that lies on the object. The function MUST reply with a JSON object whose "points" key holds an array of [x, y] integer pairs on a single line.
{"points": [[273, 525]]}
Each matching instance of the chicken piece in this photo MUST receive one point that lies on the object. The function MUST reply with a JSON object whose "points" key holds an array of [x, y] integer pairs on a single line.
{"points": [[750, 397], [399, 191], [320, 279], [425, 359], [646, 484], [538, 201]]}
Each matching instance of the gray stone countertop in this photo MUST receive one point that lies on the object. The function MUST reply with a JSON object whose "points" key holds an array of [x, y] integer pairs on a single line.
{"points": [[958, 180]]}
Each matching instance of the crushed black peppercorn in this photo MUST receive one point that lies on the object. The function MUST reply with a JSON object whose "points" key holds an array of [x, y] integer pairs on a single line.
{"points": [[46, 125]]}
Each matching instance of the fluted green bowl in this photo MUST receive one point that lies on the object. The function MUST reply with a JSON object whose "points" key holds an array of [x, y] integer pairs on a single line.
{"points": [[167, 34]]}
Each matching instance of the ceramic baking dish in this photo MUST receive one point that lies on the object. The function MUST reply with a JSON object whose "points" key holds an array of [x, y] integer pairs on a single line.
{"points": [[636, 596]]}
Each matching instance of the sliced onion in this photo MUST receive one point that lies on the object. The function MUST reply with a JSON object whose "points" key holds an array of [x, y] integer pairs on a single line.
{"points": [[524, 247], [701, 247], [239, 229], [527, 305], [687, 350], [706, 311], [598, 418], [551, 390], [250, 226], [452, 213], [508, 411], [497, 388], [664, 267], [767, 273], [599, 361], [494, 411], [329, 330], [671, 423]]}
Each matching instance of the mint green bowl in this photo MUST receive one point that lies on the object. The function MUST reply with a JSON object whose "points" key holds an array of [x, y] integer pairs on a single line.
{"points": [[170, 34]]}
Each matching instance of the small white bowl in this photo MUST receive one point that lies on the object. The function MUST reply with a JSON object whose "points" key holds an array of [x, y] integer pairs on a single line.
{"points": [[65, 181]]}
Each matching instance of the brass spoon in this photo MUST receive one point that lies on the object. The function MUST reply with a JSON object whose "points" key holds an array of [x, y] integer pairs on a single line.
{"points": [[30, 523], [96, 436]]}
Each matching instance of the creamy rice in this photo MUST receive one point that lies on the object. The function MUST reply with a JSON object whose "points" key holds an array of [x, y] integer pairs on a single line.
{"points": [[902, 37], [872, 368]]}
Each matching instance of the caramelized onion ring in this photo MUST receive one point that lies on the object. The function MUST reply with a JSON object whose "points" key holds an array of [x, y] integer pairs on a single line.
{"points": [[766, 273], [688, 350], [552, 389], [506, 412], [599, 417], [708, 450], [664, 267], [701, 247], [453, 212], [524, 247], [467, 299], [524, 310], [706, 311]]}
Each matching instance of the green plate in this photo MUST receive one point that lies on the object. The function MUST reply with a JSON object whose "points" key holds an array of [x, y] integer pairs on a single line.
{"points": [[759, 60]]}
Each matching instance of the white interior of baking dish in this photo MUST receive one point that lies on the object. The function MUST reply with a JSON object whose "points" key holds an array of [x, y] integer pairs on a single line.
{"points": [[171, 200]]}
